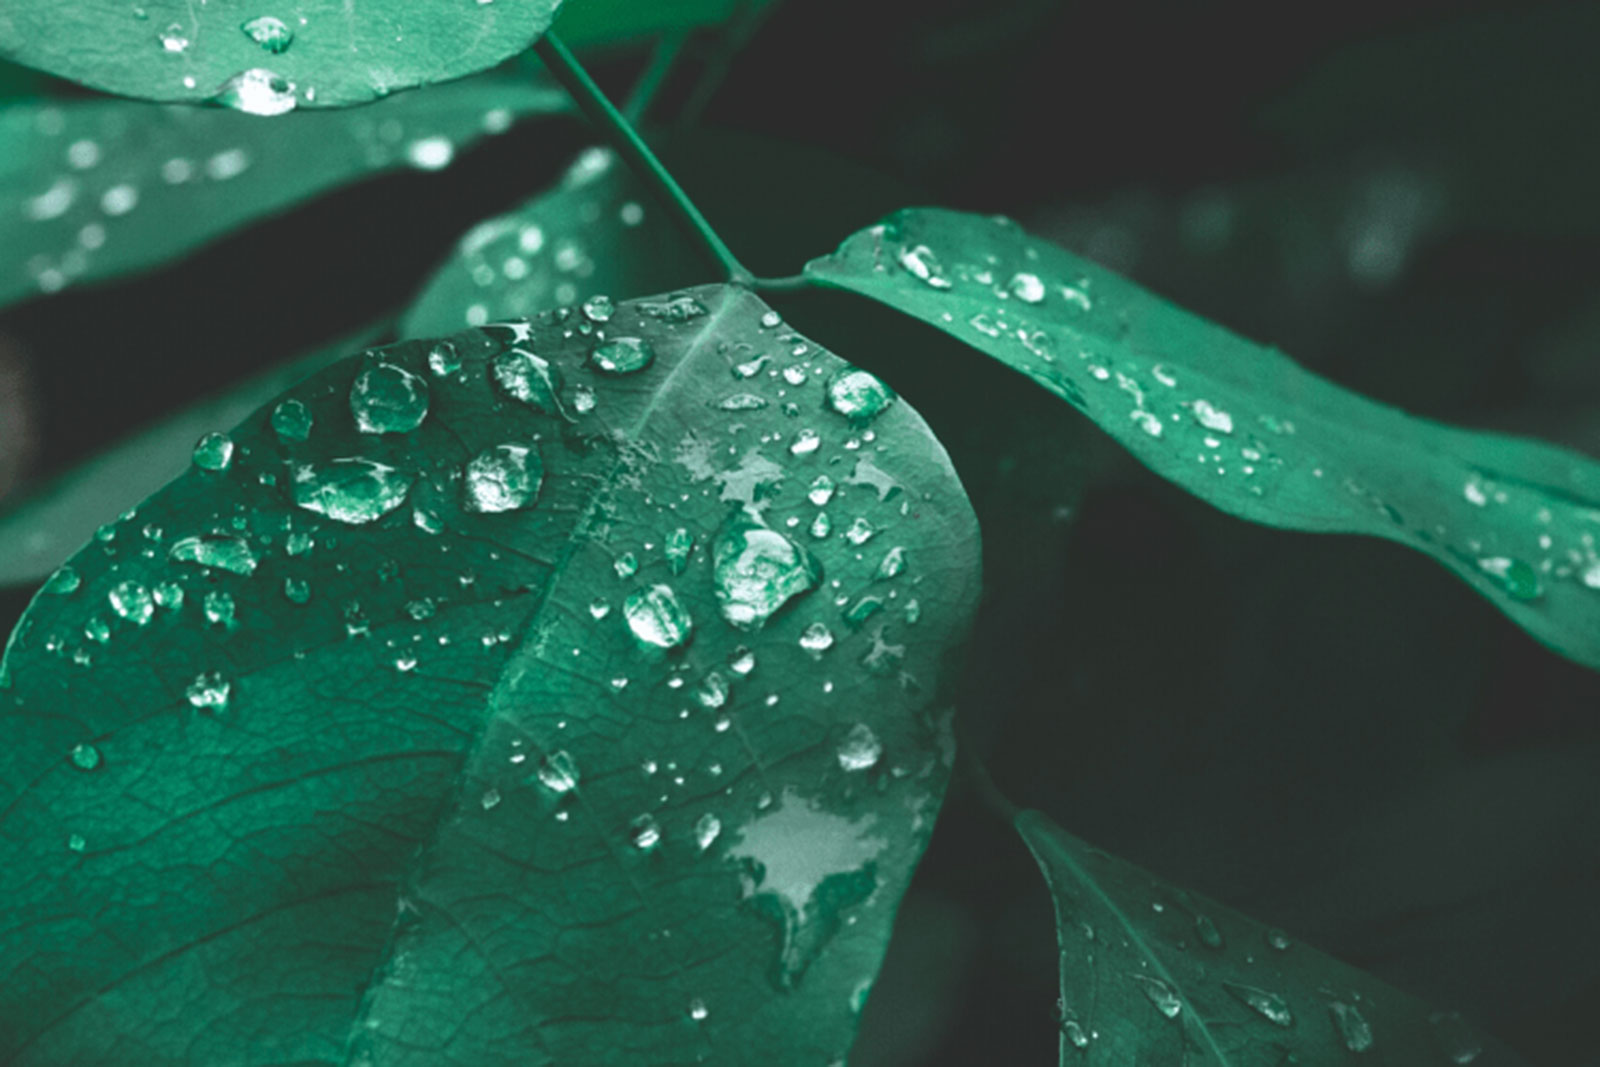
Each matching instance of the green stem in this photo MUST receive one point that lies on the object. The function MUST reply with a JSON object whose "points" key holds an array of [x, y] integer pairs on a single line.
{"points": [[978, 777], [626, 140], [665, 54], [740, 29]]}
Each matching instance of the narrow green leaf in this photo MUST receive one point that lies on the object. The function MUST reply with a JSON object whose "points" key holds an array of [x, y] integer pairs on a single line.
{"points": [[326, 53], [493, 700], [598, 232], [1153, 974], [92, 189], [1242, 426], [40, 531]]}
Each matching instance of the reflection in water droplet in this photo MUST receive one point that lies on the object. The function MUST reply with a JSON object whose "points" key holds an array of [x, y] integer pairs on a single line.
{"points": [[213, 452], [821, 491], [756, 570], [258, 92], [558, 773], [623, 355], [1211, 418], [816, 638], [1270, 1006], [291, 420], [223, 551], [528, 378], [921, 262], [268, 32], [1027, 288], [351, 490], [857, 395], [657, 618], [1353, 1026], [388, 399], [132, 601], [860, 749], [503, 478], [599, 308], [209, 691]]}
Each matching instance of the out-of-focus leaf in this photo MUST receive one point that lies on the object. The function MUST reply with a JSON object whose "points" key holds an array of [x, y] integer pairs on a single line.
{"points": [[499, 700], [326, 53], [57, 518], [92, 189], [1242, 426], [1153, 974], [598, 22]]}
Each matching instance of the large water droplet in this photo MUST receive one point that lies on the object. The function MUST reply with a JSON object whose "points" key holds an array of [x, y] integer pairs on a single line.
{"points": [[270, 33], [503, 478], [657, 618], [756, 570], [1353, 1026], [291, 420], [623, 355], [258, 92], [857, 395], [388, 399], [223, 551], [528, 378], [351, 490], [1027, 287], [558, 773], [1270, 1006], [132, 601], [213, 452], [209, 691], [1160, 994], [860, 750], [599, 308]]}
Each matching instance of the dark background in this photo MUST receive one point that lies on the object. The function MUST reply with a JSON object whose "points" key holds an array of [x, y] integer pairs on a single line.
{"points": [[1328, 733]]}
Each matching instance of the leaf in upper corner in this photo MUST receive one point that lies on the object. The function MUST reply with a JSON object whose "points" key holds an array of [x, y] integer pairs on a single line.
{"points": [[558, 692], [93, 189], [1243, 427], [1153, 974], [39, 531], [598, 232], [323, 53]]}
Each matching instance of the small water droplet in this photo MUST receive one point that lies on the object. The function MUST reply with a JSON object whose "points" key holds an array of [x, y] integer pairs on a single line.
{"points": [[680, 543], [219, 609], [893, 564], [816, 638], [921, 262], [291, 420], [258, 92], [857, 395], [1160, 994], [626, 565], [558, 773], [296, 590], [1353, 1026], [860, 749], [805, 443], [209, 691], [623, 355], [821, 526], [1149, 423], [132, 601], [213, 452], [1517, 579], [504, 478], [599, 308], [1460, 1044], [431, 153], [756, 570], [223, 551], [644, 832], [821, 491], [169, 595], [657, 618], [65, 580], [706, 830], [598, 608], [490, 799], [528, 378], [351, 490], [1277, 939], [860, 531], [388, 399], [76, 843], [742, 661], [270, 33], [1270, 1006], [698, 1010], [1027, 287], [85, 757], [1207, 932], [444, 360], [742, 402], [173, 39], [1211, 418]]}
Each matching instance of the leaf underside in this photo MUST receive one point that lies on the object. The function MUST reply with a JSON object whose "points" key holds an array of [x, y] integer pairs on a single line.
{"points": [[1153, 974], [479, 786], [1243, 427], [102, 188]]}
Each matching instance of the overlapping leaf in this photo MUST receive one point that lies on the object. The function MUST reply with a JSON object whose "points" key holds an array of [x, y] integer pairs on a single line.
{"points": [[1153, 974], [1242, 426], [93, 189], [563, 688]]}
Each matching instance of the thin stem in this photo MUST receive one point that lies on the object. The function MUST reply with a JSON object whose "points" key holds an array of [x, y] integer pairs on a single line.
{"points": [[662, 58], [788, 284], [626, 140], [983, 784], [739, 31]]}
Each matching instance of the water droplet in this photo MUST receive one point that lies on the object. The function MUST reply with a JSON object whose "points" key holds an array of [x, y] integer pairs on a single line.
{"points": [[706, 830], [558, 773], [599, 308], [857, 395], [1277, 939], [430, 153], [821, 491], [490, 799], [258, 92], [169, 595], [1075, 1033], [1160, 994], [1460, 1044], [270, 33], [443, 359], [219, 609], [623, 355], [863, 609], [119, 200], [132, 601], [85, 757], [816, 638], [213, 452], [503, 478], [388, 399], [209, 691], [296, 590], [76, 843], [223, 551], [680, 543], [1027, 287], [1270, 1006], [1149, 423], [924, 265], [528, 378], [893, 564], [1207, 932], [65, 580], [626, 565], [97, 630], [742, 661], [173, 39], [860, 531], [657, 618], [860, 749], [756, 570], [698, 1010], [742, 402], [291, 420], [1211, 418], [644, 832], [821, 526], [678, 309], [713, 691], [1353, 1026], [1516, 578], [805, 443], [598, 608], [351, 490]]}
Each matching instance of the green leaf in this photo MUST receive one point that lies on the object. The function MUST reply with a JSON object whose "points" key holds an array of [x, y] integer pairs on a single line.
{"points": [[327, 53], [39, 532], [1153, 974], [93, 189], [597, 232], [1242, 426], [468, 746], [596, 22]]}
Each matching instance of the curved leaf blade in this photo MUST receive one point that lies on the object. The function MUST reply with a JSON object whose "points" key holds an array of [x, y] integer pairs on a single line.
{"points": [[1244, 428], [94, 189], [1153, 974], [329, 54], [461, 783]]}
